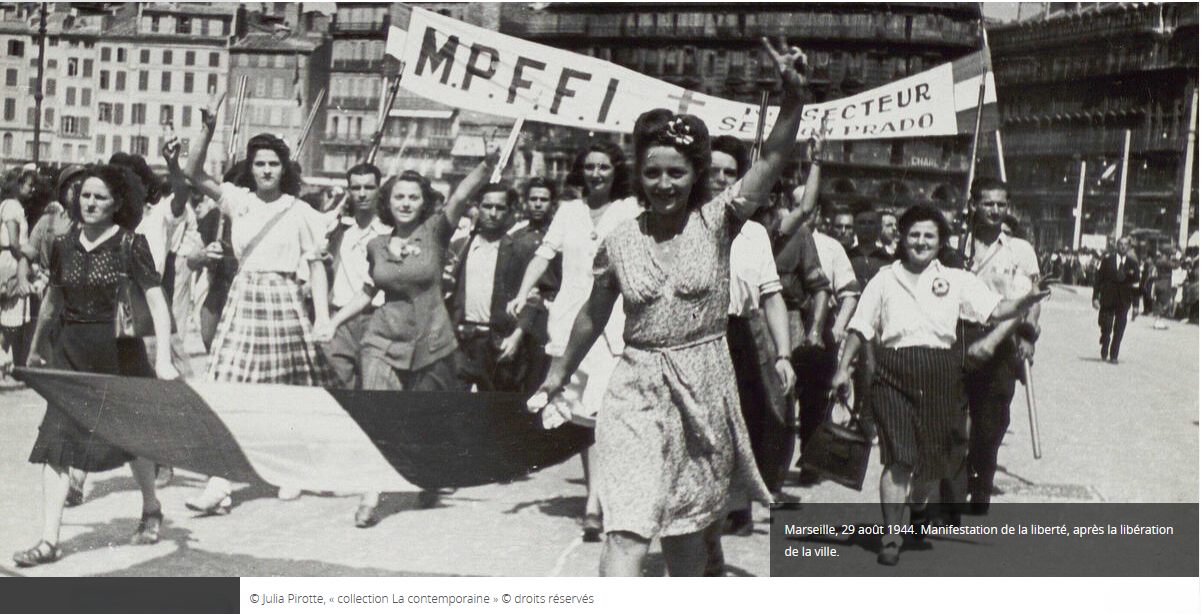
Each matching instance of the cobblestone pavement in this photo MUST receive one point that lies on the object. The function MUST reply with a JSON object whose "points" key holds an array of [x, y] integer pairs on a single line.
{"points": [[1117, 433]]}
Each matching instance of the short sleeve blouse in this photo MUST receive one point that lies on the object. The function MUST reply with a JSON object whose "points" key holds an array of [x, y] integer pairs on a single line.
{"points": [[89, 280], [902, 312], [289, 242]]}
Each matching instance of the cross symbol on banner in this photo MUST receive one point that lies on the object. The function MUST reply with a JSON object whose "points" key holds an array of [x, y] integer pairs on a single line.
{"points": [[686, 101]]}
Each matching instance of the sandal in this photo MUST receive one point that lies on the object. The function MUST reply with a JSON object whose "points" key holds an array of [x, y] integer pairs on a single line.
{"points": [[37, 555], [592, 528], [366, 516], [148, 528]]}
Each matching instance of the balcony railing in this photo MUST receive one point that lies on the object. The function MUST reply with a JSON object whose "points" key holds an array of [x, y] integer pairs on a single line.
{"points": [[1089, 142], [360, 27], [358, 65], [355, 103]]}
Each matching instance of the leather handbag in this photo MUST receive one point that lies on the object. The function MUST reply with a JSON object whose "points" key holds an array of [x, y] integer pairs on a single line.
{"points": [[132, 318], [838, 452]]}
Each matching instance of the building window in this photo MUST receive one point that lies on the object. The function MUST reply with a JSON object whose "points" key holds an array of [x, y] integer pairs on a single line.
{"points": [[104, 79], [50, 83], [189, 58], [100, 144], [167, 57], [48, 117], [105, 112], [87, 68], [120, 81], [183, 25], [154, 23], [166, 115], [70, 126], [8, 144], [118, 116], [85, 97], [70, 96], [72, 67], [145, 56], [140, 145], [188, 82], [215, 60], [83, 152], [185, 116], [68, 150], [137, 113], [212, 84], [10, 109], [260, 88], [281, 61], [16, 49], [143, 80], [10, 77], [166, 81], [116, 143], [106, 54], [51, 64], [121, 54], [277, 87]]}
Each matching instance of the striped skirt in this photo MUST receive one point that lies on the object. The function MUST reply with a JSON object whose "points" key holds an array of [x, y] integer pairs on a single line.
{"points": [[920, 408], [264, 336]]}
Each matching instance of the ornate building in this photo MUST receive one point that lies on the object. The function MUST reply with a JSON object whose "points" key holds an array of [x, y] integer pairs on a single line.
{"points": [[715, 49], [1070, 85]]}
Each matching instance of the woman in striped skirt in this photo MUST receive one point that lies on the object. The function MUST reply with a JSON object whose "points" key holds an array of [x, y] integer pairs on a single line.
{"points": [[264, 335], [910, 310]]}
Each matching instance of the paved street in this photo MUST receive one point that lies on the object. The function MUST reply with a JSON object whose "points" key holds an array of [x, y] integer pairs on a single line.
{"points": [[1124, 433]]}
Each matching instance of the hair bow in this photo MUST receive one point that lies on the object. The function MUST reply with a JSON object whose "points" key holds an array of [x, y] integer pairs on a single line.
{"points": [[679, 131]]}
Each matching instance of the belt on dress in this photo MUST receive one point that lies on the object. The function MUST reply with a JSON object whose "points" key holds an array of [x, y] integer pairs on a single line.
{"points": [[671, 348]]}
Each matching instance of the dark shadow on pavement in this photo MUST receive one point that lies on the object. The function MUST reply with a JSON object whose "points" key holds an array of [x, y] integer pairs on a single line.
{"points": [[563, 507]]}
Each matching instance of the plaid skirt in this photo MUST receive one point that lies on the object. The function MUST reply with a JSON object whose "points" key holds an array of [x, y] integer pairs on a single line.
{"points": [[264, 336]]}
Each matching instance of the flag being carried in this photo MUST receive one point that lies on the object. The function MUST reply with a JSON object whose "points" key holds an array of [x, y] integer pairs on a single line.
{"points": [[474, 68]]}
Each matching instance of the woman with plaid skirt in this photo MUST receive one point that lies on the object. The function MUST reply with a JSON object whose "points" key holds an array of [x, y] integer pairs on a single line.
{"points": [[264, 335], [911, 309]]}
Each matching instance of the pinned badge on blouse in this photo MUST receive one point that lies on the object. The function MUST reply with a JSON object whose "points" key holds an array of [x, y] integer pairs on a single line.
{"points": [[594, 235], [940, 287]]}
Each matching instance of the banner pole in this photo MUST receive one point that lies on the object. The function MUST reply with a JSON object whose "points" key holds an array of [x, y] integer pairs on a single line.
{"points": [[385, 111], [308, 125], [966, 211], [758, 147], [1119, 223], [1079, 208]]}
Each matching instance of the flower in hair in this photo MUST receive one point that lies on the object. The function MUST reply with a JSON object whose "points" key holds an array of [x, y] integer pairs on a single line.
{"points": [[679, 131]]}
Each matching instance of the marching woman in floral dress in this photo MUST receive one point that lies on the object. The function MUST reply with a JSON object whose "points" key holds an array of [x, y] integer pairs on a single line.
{"points": [[671, 446]]}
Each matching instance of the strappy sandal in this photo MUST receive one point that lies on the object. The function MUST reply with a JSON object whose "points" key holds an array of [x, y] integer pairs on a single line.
{"points": [[37, 555], [593, 529], [148, 528]]}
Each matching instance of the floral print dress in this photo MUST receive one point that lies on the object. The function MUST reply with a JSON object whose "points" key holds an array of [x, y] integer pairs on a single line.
{"points": [[671, 445]]}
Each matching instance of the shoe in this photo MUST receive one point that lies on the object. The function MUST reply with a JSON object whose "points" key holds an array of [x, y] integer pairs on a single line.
{"points": [[785, 501], [1104, 353], [996, 491], [210, 503], [43, 552], [74, 497], [739, 523], [427, 499], [889, 555], [592, 528], [163, 476], [288, 493], [1113, 360], [148, 528], [808, 478], [366, 516], [980, 503]]}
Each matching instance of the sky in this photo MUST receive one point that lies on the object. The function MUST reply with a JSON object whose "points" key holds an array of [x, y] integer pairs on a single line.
{"points": [[1009, 10]]}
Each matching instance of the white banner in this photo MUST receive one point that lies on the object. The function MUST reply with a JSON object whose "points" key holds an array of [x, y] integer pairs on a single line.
{"points": [[465, 66]]}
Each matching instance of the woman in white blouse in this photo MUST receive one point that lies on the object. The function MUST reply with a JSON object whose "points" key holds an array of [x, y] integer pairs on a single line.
{"points": [[264, 335], [601, 174], [911, 308]]}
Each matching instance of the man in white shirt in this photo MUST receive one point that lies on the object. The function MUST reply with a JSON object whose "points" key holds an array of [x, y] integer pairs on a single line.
{"points": [[347, 249], [1008, 266], [488, 276]]}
